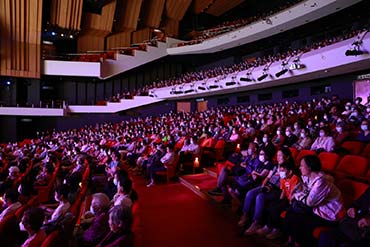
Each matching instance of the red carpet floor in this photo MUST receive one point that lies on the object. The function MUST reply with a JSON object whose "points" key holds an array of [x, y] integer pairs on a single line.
{"points": [[172, 215]]}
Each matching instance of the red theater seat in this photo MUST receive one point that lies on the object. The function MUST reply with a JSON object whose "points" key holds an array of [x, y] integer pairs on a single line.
{"points": [[352, 165], [328, 161], [170, 169], [302, 154], [354, 147]]}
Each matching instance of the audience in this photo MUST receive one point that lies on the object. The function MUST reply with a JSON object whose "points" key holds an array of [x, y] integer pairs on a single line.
{"points": [[11, 203], [31, 222]]}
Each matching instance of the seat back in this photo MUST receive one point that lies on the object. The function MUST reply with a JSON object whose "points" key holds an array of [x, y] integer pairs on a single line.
{"points": [[302, 154], [353, 147], [366, 152], [294, 152], [351, 190], [52, 239], [328, 161], [353, 165]]}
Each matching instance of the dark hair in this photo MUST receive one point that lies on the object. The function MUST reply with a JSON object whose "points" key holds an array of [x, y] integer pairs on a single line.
{"points": [[33, 218], [73, 180], [288, 165], [63, 190], [121, 174], [126, 184], [287, 153], [313, 162], [12, 195], [27, 188]]}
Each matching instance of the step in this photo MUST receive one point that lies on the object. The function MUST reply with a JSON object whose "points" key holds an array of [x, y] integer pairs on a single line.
{"points": [[211, 171], [200, 184]]}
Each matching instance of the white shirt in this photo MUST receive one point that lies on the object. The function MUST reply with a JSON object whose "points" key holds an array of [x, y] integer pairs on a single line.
{"points": [[10, 210]]}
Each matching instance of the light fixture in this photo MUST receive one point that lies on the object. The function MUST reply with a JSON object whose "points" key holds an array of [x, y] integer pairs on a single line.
{"points": [[355, 50], [53, 33], [262, 77], [202, 88], [230, 83], [281, 72], [71, 36]]}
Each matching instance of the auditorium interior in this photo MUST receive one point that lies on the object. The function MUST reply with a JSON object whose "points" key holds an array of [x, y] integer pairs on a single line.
{"points": [[184, 123]]}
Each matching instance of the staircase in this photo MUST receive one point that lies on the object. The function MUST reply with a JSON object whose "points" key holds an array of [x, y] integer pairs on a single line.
{"points": [[124, 63]]}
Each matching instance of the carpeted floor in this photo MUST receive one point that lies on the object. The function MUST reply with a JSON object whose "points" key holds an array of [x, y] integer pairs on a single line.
{"points": [[172, 215]]}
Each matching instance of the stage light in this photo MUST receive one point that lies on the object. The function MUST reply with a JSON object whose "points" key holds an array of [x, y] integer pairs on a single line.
{"points": [[245, 79], [230, 83], [53, 33], [213, 86], [282, 72], [71, 36], [202, 88], [262, 77], [189, 90]]}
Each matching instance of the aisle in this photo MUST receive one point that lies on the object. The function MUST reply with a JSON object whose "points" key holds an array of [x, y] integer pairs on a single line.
{"points": [[172, 215]]}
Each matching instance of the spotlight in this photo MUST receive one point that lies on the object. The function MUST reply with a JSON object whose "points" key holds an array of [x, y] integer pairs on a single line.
{"points": [[62, 35], [202, 88], [262, 77], [213, 86], [189, 90], [282, 72], [71, 36], [53, 33], [245, 79], [230, 83], [8, 83]]}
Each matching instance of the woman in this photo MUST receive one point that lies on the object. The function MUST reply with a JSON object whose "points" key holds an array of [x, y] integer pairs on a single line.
{"points": [[316, 202], [31, 223], [120, 220], [122, 197], [323, 142], [61, 196], [364, 135], [99, 227], [304, 140]]}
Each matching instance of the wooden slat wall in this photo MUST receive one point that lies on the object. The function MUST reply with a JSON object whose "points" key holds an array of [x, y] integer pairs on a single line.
{"points": [[200, 5], [141, 35], [20, 38], [220, 7], [176, 9], [119, 40], [152, 12], [89, 42], [66, 13], [103, 21], [171, 28], [129, 15]]}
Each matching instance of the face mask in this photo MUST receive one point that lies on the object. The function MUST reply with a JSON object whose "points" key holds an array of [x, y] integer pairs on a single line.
{"points": [[322, 134], [92, 210], [303, 135], [278, 132], [364, 127], [339, 129], [115, 182], [250, 152], [282, 175], [347, 108], [264, 139], [21, 227], [367, 109], [287, 133], [262, 158]]}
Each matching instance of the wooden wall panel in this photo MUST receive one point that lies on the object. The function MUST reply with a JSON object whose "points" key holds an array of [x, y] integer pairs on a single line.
{"points": [[152, 12], [128, 15], [119, 40], [176, 9], [171, 28], [220, 7], [103, 21], [200, 5], [66, 13], [20, 38], [90, 43], [141, 35]]}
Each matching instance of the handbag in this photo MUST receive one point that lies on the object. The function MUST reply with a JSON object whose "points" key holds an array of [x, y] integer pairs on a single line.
{"points": [[300, 207]]}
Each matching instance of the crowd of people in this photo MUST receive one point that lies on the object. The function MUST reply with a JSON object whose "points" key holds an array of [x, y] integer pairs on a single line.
{"points": [[151, 144], [232, 25]]}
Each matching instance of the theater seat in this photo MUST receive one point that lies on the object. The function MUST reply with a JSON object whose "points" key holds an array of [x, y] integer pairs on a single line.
{"points": [[170, 169], [294, 152], [353, 147], [302, 154], [328, 161], [52, 240], [366, 152], [352, 165], [351, 190]]}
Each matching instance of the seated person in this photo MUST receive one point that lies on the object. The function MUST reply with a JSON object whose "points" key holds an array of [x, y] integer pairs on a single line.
{"points": [[45, 174], [168, 158], [120, 221], [61, 196], [279, 138], [31, 223], [122, 197], [288, 181], [98, 219], [340, 134], [304, 140], [290, 138], [354, 228], [315, 202], [11, 203], [12, 178], [364, 135], [26, 191], [323, 143]]}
